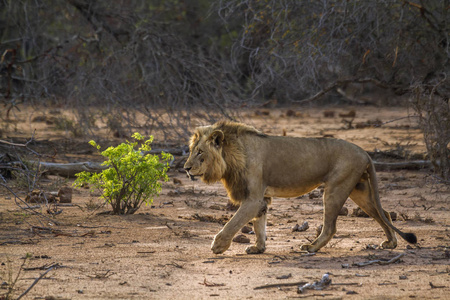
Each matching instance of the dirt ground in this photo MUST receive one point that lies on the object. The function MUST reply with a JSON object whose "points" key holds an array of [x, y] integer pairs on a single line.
{"points": [[163, 251]]}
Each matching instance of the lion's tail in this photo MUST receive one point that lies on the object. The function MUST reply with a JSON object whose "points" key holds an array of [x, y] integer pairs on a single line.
{"points": [[409, 237]]}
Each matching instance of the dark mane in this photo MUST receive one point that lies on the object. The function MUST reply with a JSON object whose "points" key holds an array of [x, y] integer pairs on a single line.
{"points": [[235, 178]]}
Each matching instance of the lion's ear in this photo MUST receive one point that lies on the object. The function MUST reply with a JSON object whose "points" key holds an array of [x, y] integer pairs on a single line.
{"points": [[216, 138]]}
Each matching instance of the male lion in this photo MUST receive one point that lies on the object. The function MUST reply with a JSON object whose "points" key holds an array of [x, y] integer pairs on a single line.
{"points": [[255, 167]]}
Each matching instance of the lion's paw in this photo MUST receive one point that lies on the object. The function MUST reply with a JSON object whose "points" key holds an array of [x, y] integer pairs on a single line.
{"points": [[220, 245], [388, 245], [308, 247], [255, 250]]}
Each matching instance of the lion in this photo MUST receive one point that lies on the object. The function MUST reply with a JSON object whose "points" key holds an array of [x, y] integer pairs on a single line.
{"points": [[254, 167]]}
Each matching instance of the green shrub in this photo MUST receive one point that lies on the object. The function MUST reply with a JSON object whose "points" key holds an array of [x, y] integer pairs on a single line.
{"points": [[131, 177]]}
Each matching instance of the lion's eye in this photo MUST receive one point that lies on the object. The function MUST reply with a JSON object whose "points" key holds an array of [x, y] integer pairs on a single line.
{"points": [[199, 152]]}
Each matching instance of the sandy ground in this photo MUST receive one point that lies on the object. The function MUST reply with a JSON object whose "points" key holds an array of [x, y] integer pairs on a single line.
{"points": [[163, 251]]}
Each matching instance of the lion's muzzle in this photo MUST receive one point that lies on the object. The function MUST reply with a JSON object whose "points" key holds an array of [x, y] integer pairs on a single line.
{"points": [[191, 177]]}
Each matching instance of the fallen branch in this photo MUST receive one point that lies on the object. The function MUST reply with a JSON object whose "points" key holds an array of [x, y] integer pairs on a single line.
{"points": [[407, 165], [107, 274], [36, 281], [44, 267], [16, 144], [22, 145], [379, 261], [436, 286], [276, 285], [70, 169], [206, 283]]}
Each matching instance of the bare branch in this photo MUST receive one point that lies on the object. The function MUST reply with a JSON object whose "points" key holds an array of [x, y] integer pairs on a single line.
{"points": [[36, 281]]}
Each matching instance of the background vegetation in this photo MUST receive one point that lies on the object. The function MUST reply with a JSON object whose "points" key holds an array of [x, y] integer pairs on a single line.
{"points": [[182, 58]]}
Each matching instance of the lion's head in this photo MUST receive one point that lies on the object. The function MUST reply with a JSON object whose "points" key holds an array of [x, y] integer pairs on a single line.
{"points": [[218, 153], [205, 159]]}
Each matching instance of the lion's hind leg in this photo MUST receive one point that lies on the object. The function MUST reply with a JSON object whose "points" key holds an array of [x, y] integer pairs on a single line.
{"points": [[334, 198], [362, 196]]}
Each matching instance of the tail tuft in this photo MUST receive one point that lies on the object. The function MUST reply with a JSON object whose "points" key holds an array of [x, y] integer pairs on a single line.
{"points": [[410, 238]]}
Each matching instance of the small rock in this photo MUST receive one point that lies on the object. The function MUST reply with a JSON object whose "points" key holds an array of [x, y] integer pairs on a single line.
{"points": [[345, 266], [38, 196], [65, 195], [290, 113], [350, 114], [402, 277], [314, 194], [304, 227], [343, 211], [393, 215], [358, 212], [328, 113], [284, 276], [317, 285], [241, 239], [246, 229]]}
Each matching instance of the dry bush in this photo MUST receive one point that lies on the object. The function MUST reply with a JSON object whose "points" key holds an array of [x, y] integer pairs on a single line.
{"points": [[290, 49], [432, 105], [163, 59], [185, 63]]}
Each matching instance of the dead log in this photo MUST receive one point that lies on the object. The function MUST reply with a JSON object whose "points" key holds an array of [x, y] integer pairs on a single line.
{"points": [[404, 165], [70, 169]]}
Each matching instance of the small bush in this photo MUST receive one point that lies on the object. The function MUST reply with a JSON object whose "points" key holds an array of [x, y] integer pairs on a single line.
{"points": [[132, 177]]}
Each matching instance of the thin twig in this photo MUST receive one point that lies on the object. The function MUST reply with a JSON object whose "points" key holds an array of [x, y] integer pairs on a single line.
{"points": [[395, 120], [276, 285], [207, 283], [15, 144], [36, 281], [379, 261]]}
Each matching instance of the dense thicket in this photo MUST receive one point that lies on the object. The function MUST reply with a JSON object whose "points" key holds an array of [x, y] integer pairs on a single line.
{"points": [[214, 55]]}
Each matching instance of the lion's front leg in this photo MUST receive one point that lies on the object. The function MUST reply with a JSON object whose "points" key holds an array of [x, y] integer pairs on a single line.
{"points": [[248, 210], [259, 225], [220, 243]]}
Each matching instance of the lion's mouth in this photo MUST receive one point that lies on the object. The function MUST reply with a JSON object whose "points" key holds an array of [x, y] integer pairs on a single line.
{"points": [[192, 177]]}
